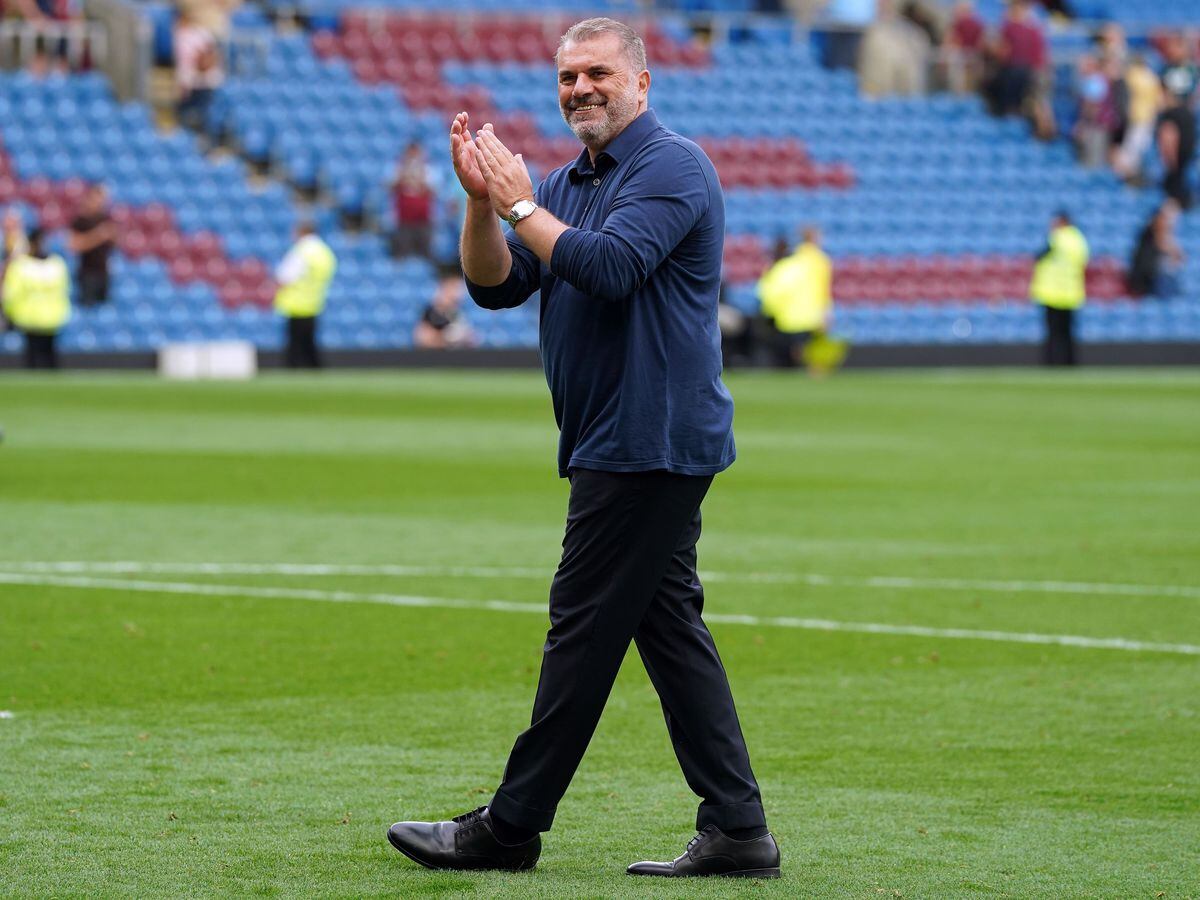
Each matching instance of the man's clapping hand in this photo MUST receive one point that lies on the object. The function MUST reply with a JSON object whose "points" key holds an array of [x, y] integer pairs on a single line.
{"points": [[505, 175], [462, 154]]}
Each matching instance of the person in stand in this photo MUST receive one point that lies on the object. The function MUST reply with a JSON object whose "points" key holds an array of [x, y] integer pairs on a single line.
{"points": [[1145, 94], [93, 236], [624, 244], [303, 278], [199, 70], [413, 195], [797, 296], [1176, 132], [1059, 285], [36, 300], [442, 324], [1157, 258]]}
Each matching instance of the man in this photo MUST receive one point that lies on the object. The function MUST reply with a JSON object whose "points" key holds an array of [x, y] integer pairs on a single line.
{"points": [[199, 72], [36, 300], [93, 236], [1176, 127], [797, 295], [1021, 52], [442, 325], [304, 277], [413, 196], [1059, 285], [625, 246], [1145, 99]]}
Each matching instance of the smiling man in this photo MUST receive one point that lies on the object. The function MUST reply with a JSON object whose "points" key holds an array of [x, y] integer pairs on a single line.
{"points": [[624, 245]]}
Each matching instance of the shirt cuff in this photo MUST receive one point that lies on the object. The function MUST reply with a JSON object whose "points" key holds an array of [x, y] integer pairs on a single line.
{"points": [[495, 296]]}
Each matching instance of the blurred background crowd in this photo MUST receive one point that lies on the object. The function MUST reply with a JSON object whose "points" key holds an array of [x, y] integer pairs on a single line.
{"points": [[171, 155]]}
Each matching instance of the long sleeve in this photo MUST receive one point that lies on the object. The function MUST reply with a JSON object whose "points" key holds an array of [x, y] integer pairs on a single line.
{"points": [[656, 206]]}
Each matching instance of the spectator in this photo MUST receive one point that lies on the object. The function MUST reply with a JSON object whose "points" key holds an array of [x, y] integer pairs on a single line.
{"points": [[1059, 286], [199, 70], [962, 49], [1157, 258], [1176, 132], [413, 194], [1020, 52], [93, 237], [304, 277], [1180, 76], [797, 295], [36, 300], [442, 325], [894, 57], [1144, 92]]}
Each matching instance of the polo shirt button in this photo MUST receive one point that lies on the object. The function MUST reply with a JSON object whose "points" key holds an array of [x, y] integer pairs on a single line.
{"points": [[595, 181]]}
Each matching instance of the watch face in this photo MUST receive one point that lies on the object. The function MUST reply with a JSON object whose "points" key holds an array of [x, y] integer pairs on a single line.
{"points": [[523, 208]]}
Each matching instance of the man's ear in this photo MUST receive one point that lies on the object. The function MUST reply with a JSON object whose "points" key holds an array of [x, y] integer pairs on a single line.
{"points": [[644, 82]]}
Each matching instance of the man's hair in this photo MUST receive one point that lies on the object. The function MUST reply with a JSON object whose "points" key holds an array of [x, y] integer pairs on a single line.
{"points": [[631, 41]]}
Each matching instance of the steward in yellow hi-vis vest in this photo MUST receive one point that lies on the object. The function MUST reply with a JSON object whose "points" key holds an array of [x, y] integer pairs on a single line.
{"points": [[304, 277], [37, 301], [1059, 285], [797, 295]]}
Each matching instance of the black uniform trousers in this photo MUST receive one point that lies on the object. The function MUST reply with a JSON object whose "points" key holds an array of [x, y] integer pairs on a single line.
{"points": [[40, 351], [1059, 349], [301, 352], [628, 571]]}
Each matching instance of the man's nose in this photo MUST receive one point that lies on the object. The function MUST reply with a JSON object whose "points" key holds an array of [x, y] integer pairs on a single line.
{"points": [[583, 86]]}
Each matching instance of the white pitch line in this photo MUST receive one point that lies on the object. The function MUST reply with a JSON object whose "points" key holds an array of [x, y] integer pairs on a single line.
{"points": [[893, 582], [235, 590]]}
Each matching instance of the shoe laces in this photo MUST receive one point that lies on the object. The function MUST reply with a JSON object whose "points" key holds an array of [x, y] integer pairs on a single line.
{"points": [[703, 833], [471, 817]]}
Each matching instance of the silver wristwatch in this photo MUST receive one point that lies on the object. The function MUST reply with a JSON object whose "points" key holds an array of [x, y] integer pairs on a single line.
{"points": [[522, 209]]}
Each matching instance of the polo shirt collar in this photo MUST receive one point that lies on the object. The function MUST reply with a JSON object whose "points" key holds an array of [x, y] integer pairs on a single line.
{"points": [[623, 145]]}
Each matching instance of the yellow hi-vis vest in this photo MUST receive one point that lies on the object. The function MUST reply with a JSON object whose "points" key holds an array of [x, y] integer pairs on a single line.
{"points": [[37, 293], [797, 291], [1059, 276], [305, 297]]}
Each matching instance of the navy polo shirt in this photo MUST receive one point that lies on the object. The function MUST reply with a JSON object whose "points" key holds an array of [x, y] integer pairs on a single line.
{"points": [[629, 336]]}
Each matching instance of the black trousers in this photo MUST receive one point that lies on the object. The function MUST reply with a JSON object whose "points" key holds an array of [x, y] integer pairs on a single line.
{"points": [[1059, 349], [93, 287], [40, 352], [301, 350], [628, 571]]}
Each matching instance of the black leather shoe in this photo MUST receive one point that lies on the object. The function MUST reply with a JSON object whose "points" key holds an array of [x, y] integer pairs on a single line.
{"points": [[712, 852], [465, 842]]}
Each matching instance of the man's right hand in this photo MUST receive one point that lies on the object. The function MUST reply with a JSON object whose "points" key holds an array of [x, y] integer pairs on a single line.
{"points": [[462, 154]]}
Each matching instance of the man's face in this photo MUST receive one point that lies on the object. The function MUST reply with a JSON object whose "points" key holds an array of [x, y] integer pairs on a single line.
{"points": [[598, 91]]}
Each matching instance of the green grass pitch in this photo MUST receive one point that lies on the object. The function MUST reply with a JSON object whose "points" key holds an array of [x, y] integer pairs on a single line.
{"points": [[217, 717]]}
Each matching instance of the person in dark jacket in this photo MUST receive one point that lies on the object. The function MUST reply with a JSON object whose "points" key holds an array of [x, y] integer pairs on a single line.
{"points": [[624, 245], [1157, 258]]}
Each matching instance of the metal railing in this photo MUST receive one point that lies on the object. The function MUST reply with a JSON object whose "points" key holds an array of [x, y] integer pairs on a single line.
{"points": [[78, 44]]}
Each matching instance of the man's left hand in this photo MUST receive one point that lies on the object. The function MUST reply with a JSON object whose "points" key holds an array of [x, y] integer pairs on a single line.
{"points": [[506, 175]]}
